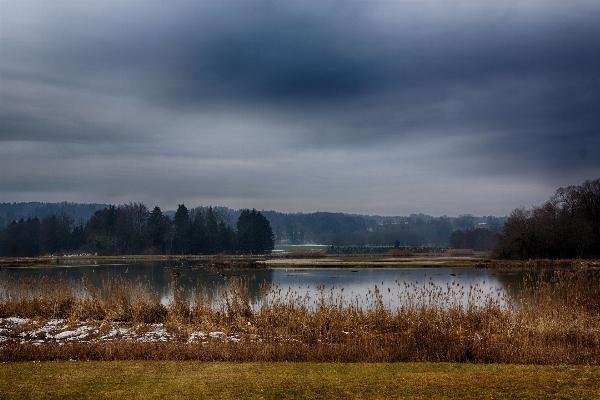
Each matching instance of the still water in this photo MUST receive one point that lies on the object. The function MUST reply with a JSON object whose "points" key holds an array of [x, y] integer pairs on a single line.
{"points": [[362, 288]]}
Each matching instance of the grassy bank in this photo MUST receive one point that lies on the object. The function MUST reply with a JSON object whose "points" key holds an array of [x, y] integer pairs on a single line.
{"points": [[307, 259], [138, 379], [553, 321], [317, 259]]}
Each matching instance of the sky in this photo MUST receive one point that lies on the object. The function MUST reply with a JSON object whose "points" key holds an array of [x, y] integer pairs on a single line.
{"points": [[371, 107]]}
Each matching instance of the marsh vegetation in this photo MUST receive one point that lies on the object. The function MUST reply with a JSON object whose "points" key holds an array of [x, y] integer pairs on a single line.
{"points": [[551, 319]]}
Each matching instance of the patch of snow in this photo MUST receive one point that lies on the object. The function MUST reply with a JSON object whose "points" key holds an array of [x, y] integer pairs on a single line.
{"points": [[115, 332], [16, 320], [78, 333], [196, 335], [58, 331], [158, 334]]}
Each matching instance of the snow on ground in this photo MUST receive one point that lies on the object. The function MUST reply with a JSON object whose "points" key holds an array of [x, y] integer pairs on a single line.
{"points": [[34, 331]]}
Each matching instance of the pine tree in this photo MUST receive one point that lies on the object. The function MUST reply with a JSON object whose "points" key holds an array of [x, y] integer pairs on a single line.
{"points": [[255, 235], [182, 230]]}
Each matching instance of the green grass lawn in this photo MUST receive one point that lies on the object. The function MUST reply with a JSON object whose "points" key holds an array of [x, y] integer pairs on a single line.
{"points": [[144, 379]]}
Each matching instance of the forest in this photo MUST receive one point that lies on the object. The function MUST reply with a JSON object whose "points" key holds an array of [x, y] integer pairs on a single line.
{"points": [[134, 229], [339, 229], [566, 226]]}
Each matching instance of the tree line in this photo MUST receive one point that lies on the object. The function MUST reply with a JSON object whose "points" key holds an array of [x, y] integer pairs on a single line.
{"points": [[340, 229], [135, 229], [10, 212], [475, 238], [566, 226]]}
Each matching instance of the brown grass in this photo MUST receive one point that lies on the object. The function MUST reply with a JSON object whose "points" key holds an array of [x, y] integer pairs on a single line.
{"points": [[400, 253], [554, 320], [459, 252], [306, 254], [539, 265]]}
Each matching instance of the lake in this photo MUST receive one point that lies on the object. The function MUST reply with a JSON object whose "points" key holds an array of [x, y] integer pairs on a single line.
{"points": [[363, 288]]}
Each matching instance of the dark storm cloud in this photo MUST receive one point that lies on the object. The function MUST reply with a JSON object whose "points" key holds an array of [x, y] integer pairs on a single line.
{"points": [[535, 79], [479, 90]]}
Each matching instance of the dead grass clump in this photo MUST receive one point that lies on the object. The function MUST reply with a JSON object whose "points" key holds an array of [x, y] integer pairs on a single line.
{"points": [[400, 253], [118, 304], [150, 313]]}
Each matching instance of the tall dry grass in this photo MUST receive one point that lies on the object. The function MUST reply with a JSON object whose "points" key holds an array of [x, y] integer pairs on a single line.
{"points": [[399, 253], [548, 320], [539, 265]]}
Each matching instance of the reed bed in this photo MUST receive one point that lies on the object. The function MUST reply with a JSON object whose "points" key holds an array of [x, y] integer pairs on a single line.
{"points": [[538, 265], [551, 319]]}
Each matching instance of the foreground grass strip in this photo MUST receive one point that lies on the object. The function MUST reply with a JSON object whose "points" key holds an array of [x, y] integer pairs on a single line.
{"points": [[144, 379]]}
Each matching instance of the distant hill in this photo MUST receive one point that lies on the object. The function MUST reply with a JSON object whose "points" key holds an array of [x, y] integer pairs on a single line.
{"points": [[341, 229], [10, 212]]}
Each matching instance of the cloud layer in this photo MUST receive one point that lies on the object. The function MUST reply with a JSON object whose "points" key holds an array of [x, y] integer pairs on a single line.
{"points": [[374, 107]]}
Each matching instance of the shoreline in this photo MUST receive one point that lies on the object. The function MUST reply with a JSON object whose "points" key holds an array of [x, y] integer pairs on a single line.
{"points": [[334, 261]]}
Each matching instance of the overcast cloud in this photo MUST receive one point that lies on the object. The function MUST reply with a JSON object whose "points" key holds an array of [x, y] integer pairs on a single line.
{"points": [[391, 107]]}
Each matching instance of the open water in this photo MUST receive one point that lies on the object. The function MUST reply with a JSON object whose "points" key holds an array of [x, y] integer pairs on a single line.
{"points": [[363, 288]]}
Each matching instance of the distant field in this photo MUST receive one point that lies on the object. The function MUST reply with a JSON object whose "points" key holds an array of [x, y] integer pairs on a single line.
{"points": [[183, 379], [301, 247]]}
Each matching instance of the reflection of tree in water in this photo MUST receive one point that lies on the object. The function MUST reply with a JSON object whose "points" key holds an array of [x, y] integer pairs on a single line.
{"points": [[192, 279], [522, 285], [209, 283], [511, 282], [159, 275]]}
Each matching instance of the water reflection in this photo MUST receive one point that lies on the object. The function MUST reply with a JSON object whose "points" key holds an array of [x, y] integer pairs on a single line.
{"points": [[395, 288], [360, 288]]}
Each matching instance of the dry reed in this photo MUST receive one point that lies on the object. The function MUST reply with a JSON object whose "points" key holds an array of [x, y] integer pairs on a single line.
{"points": [[400, 253], [552, 319], [539, 265]]}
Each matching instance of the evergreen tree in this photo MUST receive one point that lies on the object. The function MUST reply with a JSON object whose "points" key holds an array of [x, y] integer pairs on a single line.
{"points": [[158, 231], [100, 231], [255, 235], [182, 230], [198, 231], [3, 242], [211, 231], [55, 233], [22, 238]]}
